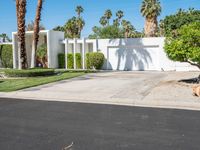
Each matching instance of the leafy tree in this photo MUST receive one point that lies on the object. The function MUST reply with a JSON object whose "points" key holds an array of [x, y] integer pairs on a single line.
{"points": [[185, 47], [172, 23], [110, 31], [59, 28], [151, 9]]}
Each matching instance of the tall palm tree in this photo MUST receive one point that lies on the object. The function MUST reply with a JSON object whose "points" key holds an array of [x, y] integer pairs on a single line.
{"points": [[103, 21], [120, 15], [21, 12], [79, 10], [151, 9], [80, 23], [116, 22], [128, 28], [108, 15], [36, 32]]}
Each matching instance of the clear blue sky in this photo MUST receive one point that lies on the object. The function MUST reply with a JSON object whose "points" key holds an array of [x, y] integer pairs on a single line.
{"points": [[56, 12]]}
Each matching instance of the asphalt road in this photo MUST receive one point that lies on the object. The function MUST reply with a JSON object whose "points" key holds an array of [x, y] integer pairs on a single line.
{"points": [[42, 125]]}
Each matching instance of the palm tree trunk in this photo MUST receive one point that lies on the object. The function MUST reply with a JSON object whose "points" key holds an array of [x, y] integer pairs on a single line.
{"points": [[151, 27], [21, 33], [36, 33]]}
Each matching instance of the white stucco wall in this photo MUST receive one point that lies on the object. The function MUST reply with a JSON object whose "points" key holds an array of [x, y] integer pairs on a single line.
{"points": [[54, 39], [139, 54]]}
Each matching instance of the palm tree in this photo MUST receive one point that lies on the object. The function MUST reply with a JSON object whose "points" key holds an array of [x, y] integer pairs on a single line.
{"points": [[30, 26], [151, 9], [71, 28], [103, 21], [80, 23], [21, 12], [108, 15], [36, 32], [79, 10], [116, 22], [129, 29], [4, 37], [120, 15]]}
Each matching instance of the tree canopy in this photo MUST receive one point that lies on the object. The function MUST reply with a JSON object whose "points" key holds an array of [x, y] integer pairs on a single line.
{"points": [[172, 23], [185, 47]]}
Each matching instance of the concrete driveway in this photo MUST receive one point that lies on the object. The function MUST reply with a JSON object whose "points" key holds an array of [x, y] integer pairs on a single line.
{"points": [[153, 89]]}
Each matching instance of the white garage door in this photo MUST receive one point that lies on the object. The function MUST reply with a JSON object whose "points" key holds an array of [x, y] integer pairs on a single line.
{"points": [[133, 58]]}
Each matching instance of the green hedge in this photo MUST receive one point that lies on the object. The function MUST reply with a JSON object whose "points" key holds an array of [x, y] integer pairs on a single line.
{"points": [[94, 60], [6, 55], [29, 72], [61, 60], [70, 61]]}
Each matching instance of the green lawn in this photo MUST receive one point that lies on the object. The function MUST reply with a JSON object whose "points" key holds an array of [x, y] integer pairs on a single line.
{"points": [[8, 85]]}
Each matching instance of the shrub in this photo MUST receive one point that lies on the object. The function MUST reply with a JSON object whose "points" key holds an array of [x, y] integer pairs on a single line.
{"points": [[94, 60], [61, 60], [70, 61], [186, 46], [6, 56], [78, 61], [87, 61], [41, 53], [29, 72]]}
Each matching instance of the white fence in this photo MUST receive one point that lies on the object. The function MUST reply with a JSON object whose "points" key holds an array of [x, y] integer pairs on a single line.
{"points": [[129, 54]]}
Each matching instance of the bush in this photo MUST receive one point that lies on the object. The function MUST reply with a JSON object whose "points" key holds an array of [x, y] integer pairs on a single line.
{"points": [[70, 61], [29, 72], [87, 61], [6, 56], [78, 61], [186, 46], [94, 60], [61, 60]]}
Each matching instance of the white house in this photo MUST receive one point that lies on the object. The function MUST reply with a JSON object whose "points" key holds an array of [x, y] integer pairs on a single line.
{"points": [[121, 54]]}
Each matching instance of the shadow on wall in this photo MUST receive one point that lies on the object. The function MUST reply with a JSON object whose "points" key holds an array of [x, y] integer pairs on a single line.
{"points": [[130, 54]]}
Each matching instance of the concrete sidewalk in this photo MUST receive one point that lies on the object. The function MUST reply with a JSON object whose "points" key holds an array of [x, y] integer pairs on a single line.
{"points": [[149, 89]]}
